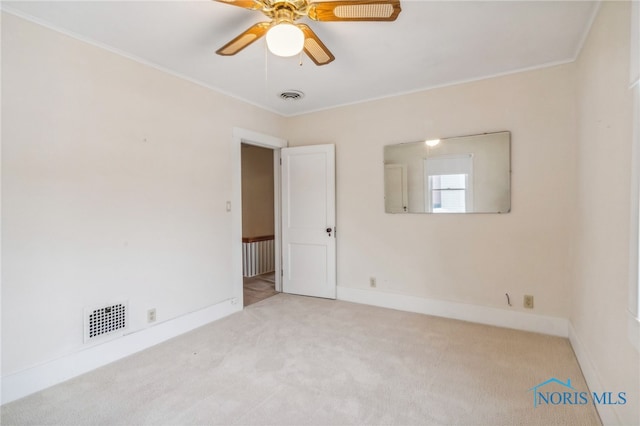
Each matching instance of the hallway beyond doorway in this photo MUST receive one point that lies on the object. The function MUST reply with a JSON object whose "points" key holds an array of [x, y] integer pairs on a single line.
{"points": [[258, 288]]}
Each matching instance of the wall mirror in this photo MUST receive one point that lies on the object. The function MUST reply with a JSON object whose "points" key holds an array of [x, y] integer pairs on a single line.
{"points": [[467, 174]]}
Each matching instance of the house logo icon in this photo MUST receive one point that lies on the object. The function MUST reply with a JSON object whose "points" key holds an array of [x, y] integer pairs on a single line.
{"points": [[538, 396]]}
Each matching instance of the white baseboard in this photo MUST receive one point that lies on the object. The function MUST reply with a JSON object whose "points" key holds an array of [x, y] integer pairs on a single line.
{"points": [[606, 412], [460, 311], [26, 382]]}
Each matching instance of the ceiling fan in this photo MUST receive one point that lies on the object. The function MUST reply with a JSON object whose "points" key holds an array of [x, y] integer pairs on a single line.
{"points": [[285, 37]]}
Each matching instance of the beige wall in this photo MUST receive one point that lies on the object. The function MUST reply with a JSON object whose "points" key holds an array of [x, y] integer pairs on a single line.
{"points": [[602, 212], [257, 192], [466, 258], [115, 178]]}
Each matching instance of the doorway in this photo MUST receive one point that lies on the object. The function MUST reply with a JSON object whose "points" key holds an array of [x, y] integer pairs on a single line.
{"points": [[247, 137], [258, 223], [304, 200]]}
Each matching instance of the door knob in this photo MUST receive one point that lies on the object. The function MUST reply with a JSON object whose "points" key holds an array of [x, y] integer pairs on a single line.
{"points": [[329, 231]]}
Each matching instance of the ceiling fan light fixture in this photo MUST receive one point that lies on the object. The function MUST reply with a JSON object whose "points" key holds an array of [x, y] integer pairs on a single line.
{"points": [[285, 40]]}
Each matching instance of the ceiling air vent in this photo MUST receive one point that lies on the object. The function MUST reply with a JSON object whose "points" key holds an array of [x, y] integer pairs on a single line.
{"points": [[291, 95]]}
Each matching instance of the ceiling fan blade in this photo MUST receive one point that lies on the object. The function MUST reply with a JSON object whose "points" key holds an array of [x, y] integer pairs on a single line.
{"points": [[247, 4], [355, 10], [315, 48], [244, 39]]}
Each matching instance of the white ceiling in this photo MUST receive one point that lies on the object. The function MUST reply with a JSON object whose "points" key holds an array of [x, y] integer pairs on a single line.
{"points": [[432, 43]]}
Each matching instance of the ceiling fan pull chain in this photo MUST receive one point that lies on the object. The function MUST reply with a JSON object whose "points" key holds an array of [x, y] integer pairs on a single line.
{"points": [[300, 58], [266, 70], [266, 63]]}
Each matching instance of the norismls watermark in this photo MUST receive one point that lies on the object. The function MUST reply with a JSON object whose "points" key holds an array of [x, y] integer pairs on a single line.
{"points": [[568, 395]]}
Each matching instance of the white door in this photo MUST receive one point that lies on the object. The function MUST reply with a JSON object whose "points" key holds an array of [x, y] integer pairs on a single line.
{"points": [[308, 221], [395, 188]]}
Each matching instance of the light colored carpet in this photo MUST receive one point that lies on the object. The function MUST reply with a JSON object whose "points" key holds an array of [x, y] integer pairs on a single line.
{"points": [[291, 360], [258, 288]]}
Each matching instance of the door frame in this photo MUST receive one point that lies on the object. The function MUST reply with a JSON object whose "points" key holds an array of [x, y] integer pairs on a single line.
{"points": [[250, 137]]}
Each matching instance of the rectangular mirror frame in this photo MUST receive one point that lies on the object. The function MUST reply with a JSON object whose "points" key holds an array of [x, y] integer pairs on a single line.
{"points": [[465, 174]]}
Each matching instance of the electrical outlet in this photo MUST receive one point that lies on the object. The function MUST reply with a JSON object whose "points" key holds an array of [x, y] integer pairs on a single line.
{"points": [[372, 281], [528, 301], [151, 315]]}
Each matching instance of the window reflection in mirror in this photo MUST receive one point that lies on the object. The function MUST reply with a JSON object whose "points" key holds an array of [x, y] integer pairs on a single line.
{"points": [[467, 174]]}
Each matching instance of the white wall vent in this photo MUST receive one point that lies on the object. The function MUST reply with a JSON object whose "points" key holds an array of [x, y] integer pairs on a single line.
{"points": [[104, 321]]}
